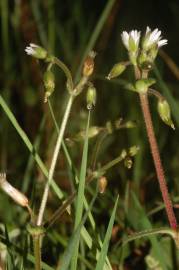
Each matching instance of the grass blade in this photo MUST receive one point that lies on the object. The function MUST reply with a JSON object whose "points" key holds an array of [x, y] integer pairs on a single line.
{"points": [[95, 34], [80, 195], [102, 257], [74, 240]]}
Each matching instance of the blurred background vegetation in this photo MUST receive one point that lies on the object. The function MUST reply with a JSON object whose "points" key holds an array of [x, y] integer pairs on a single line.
{"points": [[66, 29]]}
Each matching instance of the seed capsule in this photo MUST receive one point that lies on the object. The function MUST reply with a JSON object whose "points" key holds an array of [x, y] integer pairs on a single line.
{"points": [[91, 96], [164, 112], [117, 70], [88, 66], [102, 184], [49, 83]]}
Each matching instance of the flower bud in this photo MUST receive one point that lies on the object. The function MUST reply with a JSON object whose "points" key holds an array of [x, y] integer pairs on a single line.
{"points": [[128, 162], [164, 112], [88, 66], [133, 150], [91, 96], [130, 124], [123, 154], [14, 193], [49, 83], [117, 70], [36, 51], [145, 61], [92, 132], [102, 183], [142, 85]]}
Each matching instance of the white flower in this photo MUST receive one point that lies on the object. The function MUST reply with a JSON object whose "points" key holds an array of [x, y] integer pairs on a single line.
{"points": [[131, 40], [30, 50], [36, 51], [153, 38]]}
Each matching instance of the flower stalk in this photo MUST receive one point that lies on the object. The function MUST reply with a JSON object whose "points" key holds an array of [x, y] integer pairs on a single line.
{"points": [[157, 161], [54, 160], [155, 151]]}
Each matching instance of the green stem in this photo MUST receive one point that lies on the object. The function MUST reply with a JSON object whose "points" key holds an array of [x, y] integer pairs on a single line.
{"points": [[54, 160], [65, 69], [37, 252]]}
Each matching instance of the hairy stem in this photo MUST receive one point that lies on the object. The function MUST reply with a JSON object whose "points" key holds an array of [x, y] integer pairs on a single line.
{"points": [[157, 160], [54, 160], [37, 252]]}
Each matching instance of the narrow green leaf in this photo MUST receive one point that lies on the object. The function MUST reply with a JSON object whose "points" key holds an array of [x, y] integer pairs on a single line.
{"points": [[96, 33], [80, 195], [74, 240], [147, 233], [70, 162], [143, 223], [102, 257], [86, 237]]}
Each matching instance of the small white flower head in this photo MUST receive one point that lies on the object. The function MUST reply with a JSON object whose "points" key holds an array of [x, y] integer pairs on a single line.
{"points": [[152, 39], [36, 51], [131, 40]]}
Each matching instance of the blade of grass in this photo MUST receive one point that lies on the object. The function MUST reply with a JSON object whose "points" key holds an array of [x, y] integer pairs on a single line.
{"points": [[147, 233], [28, 144], [74, 240], [80, 195], [70, 162], [51, 25], [145, 223], [95, 34], [103, 253], [39, 22]]}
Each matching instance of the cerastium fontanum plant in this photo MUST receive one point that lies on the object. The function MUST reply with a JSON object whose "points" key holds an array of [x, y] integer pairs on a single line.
{"points": [[142, 52]]}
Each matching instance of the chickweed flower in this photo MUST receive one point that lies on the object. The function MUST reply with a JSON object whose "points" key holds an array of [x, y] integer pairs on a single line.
{"points": [[152, 39], [36, 51], [131, 40]]}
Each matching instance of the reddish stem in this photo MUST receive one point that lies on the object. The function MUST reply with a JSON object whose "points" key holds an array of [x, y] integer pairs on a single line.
{"points": [[157, 160]]}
